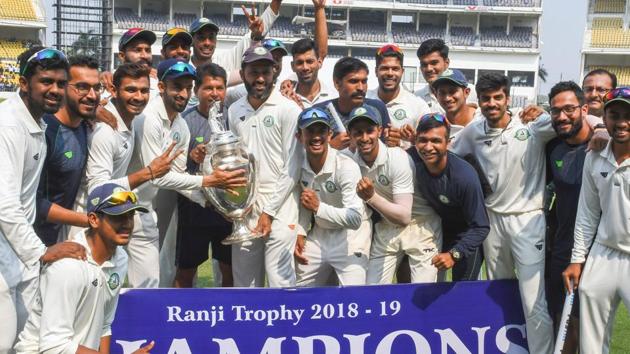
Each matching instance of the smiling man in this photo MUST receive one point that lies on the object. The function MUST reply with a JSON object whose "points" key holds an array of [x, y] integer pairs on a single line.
{"points": [[596, 84]]}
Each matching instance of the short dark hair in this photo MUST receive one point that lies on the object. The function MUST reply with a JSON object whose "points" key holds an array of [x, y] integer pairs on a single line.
{"points": [[613, 77], [433, 45], [493, 82], [347, 65], [564, 86], [304, 45], [399, 56], [210, 69], [131, 70], [83, 61], [424, 125], [46, 64]]}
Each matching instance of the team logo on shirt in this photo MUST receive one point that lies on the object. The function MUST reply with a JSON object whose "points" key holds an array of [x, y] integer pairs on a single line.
{"points": [[400, 114], [488, 142], [95, 282], [68, 154], [383, 180], [443, 199], [126, 146], [559, 163], [268, 121], [604, 174], [539, 245], [36, 156], [114, 281], [330, 186], [522, 134], [199, 139], [176, 137]]}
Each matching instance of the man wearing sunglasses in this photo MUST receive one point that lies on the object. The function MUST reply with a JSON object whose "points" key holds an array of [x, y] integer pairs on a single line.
{"points": [[66, 156], [596, 84], [403, 106], [43, 78], [267, 123], [565, 163], [77, 300], [387, 187], [600, 258], [155, 131], [330, 212], [452, 188]]}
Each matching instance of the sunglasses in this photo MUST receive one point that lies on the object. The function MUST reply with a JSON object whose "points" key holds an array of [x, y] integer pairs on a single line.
{"points": [[118, 198], [313, 113], [435, 116], [389, 48], [173, 31], [620, 92], [178, 68], [44, 54]]}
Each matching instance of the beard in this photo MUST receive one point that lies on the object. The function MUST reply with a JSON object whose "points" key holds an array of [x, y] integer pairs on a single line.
{"points": [[255, 93], [576, 126]]}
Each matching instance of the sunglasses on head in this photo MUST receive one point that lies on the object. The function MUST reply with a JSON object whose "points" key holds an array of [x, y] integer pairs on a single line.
{"points": [[46, 53], [173, 31], [435, 116], [620, 92], [179, 68], [272, 44], [389, 48], [118, 198], [312, 113]]}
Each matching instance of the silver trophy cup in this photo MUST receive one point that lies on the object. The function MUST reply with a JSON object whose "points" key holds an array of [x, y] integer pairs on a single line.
{"points": [[226, 152]]}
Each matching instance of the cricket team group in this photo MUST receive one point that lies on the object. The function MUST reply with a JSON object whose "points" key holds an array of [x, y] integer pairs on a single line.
{"points": [[101, 183]]}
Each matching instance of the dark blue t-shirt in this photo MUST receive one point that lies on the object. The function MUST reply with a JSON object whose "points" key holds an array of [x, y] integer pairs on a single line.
{"points": [[61, 175], [456, 196], [564, 168], [379, 105]]}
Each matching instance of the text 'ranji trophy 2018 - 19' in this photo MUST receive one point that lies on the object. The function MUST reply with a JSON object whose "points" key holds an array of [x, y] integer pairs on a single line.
{"points": [[226, 152]]}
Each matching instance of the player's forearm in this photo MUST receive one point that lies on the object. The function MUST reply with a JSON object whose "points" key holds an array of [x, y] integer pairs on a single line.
{"points": [[345, 218], [178, 181], [471, 239], [139, 177], [105, 345], [399, 214], [60, 215], [19, 233], [321, 32]]}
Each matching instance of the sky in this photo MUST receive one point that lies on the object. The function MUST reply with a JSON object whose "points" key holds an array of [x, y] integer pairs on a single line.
{"points": [[562, 32]]}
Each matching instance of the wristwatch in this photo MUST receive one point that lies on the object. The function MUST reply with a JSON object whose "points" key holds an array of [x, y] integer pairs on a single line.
{"points": [[457, 256]]}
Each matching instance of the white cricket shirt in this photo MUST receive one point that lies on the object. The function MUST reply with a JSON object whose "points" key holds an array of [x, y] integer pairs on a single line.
{"points": [[405, 108], [75, 305], [434, 106], [22, 155], [325, 93], [604, 206]]}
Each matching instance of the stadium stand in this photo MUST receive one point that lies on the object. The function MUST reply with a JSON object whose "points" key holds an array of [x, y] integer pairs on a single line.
{"points": [[608, 32], [519, 37], [335, 31], [150, 19], [17, 9], [9, 74], [609, 6], [12, 49], [462, 36], [183, 20], [283, 28], [465, 2], [622, 72], [511, 3], [368, 32], [406, 32], [426, 2]]}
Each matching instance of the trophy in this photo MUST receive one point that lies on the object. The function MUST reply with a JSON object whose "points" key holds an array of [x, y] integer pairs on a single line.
{"points": [[225, 151]]}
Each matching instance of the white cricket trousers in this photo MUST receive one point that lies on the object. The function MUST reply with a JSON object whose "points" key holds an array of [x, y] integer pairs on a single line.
{"points": [[604, 283], [15, 305], [331, 250], [515, 248], [272, 255], [421, 240], [144, 252]]}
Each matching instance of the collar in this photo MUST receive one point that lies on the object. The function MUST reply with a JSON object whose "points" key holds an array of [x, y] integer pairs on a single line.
{"points": [[381, 158], [324, 92], [609, 156], [33, 126], [396, 100], [329, 164], [122, 127], [81, 238], [274, 99], [160, 109]]}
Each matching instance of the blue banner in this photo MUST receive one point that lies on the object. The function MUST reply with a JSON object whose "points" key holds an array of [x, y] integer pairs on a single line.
{"points": [[482, 317]]}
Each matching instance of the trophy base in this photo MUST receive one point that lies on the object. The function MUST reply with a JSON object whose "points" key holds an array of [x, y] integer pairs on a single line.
{"points": [[240, 233]]}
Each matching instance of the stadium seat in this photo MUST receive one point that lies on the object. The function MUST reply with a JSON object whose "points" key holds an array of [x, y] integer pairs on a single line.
{"points": [[368, 32], [462, 36], [283, 28], [519, 37], [17, 9], [610, 6], [9, 75], [151, 20], [512, 3], [465, 2], [183, 20], [406, 32], [608, 32]]}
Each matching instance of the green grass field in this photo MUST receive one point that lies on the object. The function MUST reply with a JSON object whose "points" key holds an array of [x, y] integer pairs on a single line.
{"points": [[621, 334]]}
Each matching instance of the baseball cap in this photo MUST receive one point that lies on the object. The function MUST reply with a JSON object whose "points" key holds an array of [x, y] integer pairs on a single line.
{"points": [[174, 68], [112, 199], [274, 44], [256, 53], [176, 32], [451, 75], [136, 33], [311, 116], [620, 94], [200, 23], [365, 111]]}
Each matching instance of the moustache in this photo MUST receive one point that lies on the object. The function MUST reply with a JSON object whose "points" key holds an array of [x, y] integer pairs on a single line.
{"points": [[358, 94]]}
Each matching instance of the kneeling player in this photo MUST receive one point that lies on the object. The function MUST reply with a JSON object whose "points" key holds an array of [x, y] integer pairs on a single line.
{"points": [[387, 186], [339, 235], [77, 299]]}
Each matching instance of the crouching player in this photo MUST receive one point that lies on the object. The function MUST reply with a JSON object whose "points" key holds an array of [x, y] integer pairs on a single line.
{"points": [[331, 211], [77, 299]]}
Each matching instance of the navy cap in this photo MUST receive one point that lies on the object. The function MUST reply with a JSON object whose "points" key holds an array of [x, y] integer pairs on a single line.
{"points": [[177, 32], [200, 23], [311, 116], [112, 199], [365, 111], [274, 44], [136, 33], [256, 53], [451, 75], [174, 68]]}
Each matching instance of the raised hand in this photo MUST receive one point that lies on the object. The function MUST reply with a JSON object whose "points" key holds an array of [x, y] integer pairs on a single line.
{"points": [[162, 164], [255, 24]]}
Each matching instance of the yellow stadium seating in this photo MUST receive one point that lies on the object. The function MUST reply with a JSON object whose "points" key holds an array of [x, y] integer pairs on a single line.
{"points": [[622, 72], [11, 49], [610, 6], [9, 77], [17, 9], [609, 33]]}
